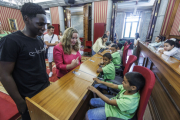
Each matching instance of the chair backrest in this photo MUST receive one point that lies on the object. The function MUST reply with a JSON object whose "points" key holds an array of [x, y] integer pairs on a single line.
{"points": [[146, 91], [89, 43], [130, 61], [125, 43], [81, 39], [125, 54]]}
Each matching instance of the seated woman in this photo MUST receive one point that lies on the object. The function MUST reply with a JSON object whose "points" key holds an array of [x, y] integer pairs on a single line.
{"points": [[171, 48], [66, 54], [157, 43], [100, 44]]}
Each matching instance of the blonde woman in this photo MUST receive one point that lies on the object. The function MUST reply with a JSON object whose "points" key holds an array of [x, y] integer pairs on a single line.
{"points": [[66, 54]]}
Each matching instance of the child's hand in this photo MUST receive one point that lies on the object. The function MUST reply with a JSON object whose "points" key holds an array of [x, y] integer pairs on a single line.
{"points": [[100, 53], [161, 51], [99, 70], [91, 88], [97, 80], [100, 64]]}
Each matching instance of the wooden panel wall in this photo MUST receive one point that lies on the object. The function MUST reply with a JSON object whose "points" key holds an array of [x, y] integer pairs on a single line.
{"points": [[153, 20], [169, 18], [86, 22], [175, 27], [6, 13], [68, 20], [113, 18]]}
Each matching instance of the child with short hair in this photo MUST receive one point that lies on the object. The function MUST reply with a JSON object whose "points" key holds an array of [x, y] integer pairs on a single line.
{"points": [[171, 48], [107, 67], [123, 105], [116, 59]]}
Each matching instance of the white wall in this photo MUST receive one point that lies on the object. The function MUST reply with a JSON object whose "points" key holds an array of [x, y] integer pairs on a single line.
{"points": [[77, 23]]}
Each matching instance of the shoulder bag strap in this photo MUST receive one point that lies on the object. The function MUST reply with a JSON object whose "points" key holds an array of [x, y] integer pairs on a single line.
{"points": [[52, 38]]}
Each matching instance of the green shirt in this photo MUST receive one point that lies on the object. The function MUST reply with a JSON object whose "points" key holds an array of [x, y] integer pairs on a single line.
{"points": [[127, 105], [116, 59], [122, 48], [109, 71], [3, 35]]}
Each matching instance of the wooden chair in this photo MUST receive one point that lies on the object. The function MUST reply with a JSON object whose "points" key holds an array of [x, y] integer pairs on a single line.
{"points": [[89, 46]]}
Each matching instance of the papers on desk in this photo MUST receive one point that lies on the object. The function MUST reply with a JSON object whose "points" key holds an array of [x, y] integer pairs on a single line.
{"points": [[154, 49], [76, 73], [91, 60]]}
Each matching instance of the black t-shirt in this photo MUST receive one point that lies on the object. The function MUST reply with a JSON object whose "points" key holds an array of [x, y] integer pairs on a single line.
{"points": [[30, 69]]}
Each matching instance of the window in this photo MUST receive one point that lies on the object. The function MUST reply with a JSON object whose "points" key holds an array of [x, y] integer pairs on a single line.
{"points": [[131, 26]]}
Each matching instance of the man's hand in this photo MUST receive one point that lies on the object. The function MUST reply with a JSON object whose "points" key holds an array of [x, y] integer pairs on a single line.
{"points": [[21, 105]]}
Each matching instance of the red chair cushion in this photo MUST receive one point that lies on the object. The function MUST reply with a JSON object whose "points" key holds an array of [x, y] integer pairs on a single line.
{"points": [[125, 54], [146, 92], [89, 43], [87, 50], [8, 110], [81, 39]]}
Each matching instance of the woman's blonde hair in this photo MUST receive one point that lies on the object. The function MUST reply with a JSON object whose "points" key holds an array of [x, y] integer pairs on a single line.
{"points": [[66, 41]]}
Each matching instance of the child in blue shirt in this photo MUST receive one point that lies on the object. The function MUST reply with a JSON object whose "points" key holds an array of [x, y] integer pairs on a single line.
{"points": [[123, 105]]}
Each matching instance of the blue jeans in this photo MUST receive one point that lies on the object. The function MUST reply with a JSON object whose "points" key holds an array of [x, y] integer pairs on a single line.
{"points": [[97, 113], [93, 52]]}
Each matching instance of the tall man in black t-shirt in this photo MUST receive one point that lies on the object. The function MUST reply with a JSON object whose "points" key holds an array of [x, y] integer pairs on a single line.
{"points": [[22, 61]]}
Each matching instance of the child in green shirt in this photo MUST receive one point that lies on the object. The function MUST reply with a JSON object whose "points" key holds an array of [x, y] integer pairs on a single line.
{"points": [[116, 59], [123, 105], [107, 67]]}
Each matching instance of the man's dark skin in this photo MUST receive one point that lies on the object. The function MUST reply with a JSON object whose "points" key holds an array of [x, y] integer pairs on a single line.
{"points": [[33, 26]]}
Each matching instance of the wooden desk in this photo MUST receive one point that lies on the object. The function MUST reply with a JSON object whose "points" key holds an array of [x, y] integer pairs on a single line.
{"points": [[164, 102], [67, 98]]}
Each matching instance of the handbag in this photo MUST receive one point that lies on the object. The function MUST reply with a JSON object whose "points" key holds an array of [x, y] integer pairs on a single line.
{"points": [[46, 54]]}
